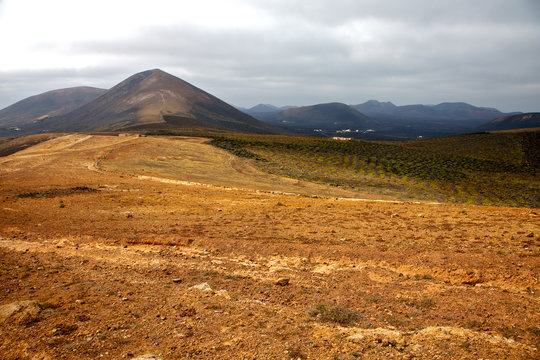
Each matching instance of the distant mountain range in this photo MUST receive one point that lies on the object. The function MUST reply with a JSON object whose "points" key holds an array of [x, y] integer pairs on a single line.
{"points": [[331, 116], [445, 111], [380, 120], [151, 99], [156, 100]]}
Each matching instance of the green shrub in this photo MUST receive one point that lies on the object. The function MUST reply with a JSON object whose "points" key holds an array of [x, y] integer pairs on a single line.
{"points": [[336, 313]]}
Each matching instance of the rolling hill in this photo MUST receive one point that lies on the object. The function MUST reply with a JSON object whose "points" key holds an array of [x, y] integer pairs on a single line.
{"points": [[509, 122], [416, 121], [482, 168], [49, 104], [457, 111], [331, 116]]}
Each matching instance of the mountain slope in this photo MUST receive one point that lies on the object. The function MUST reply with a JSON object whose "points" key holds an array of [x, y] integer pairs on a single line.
{"points": [[51, 103], [155, 98], [458, 111], [416, 121], [519, 121], [329, 116]]}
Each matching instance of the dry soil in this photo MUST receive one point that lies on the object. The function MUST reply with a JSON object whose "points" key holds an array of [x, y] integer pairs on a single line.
{"points": [[168, 248]]}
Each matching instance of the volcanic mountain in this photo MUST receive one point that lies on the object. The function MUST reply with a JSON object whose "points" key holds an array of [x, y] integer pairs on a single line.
{"points": [[331, 116], [518, 121], [457, 111], [52, 103], [154, 99]]}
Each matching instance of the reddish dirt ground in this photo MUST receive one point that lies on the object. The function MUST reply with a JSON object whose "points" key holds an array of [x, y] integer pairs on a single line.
{"points": [[160, 248]]}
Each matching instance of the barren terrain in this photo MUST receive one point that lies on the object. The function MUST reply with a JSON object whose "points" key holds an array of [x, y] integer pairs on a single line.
{"points": [[168, 248]]}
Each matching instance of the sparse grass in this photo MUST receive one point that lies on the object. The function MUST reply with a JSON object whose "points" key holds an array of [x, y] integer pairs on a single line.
{"points": [[430, 171], [534, 330], [210, 273], [373, 299], [335, 313], [296, 354], [423, 277], [396, 321], [509, 332], [473, 324], [423, 303]]}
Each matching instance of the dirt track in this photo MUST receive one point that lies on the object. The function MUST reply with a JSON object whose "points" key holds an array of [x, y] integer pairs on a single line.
{"points": [[110, 273]]}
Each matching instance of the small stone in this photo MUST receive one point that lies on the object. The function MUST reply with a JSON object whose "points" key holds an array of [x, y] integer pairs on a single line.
{"points": [[177, 281], [204, 287], [421, 215], [530, 235], [283, 281], [356, 338], [223, 293], [25, 311]]}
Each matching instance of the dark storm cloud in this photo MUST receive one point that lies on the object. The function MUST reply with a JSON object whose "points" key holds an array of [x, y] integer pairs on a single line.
{"points": [[482, 52]]}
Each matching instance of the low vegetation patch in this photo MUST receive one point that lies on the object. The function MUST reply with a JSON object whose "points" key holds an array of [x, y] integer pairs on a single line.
{"points": [[502, 170], [423, 303], [56, 192], [335, 313]]}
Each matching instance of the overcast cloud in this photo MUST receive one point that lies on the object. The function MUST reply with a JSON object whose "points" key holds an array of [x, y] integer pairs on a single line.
{"points": [[485, 52]]}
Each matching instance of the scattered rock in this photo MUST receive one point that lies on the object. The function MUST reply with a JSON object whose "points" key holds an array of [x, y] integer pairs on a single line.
{"points": [[530, 235], [177, 281], [64, 329], [204, 287], [283, 281], [25, 311], [421, 215], [82, 317], [187, 312], [385, 337], [223, 293]]}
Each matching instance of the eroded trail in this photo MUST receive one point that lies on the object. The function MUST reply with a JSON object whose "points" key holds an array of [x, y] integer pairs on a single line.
{"points": [[135, 266]]}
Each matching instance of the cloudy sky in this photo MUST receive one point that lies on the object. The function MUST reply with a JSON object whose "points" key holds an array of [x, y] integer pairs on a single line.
{"points": [[298, 52]]}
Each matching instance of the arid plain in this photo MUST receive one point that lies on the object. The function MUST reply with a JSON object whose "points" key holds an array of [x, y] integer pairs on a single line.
{"points": [[123, 247]]}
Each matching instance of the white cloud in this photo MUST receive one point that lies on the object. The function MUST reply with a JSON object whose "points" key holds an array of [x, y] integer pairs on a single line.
{"points": [[281, 51]]}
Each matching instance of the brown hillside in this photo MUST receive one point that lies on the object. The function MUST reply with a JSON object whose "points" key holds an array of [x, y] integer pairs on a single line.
{"points": [[519, 121], [168, 248], [49, 104], [156, 97]]}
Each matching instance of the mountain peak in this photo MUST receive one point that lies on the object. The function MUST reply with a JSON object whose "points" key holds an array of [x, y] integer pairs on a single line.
{"points": [[334, 115], [154, 98], [152, 72], [264, 108]]}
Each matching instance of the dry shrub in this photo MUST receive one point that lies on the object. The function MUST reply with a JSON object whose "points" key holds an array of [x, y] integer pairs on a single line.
{"points": [[335, 313]]}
